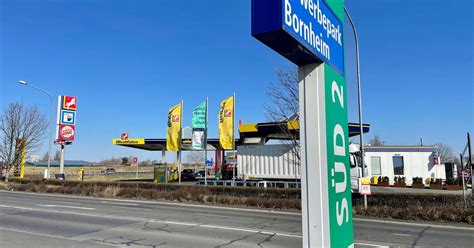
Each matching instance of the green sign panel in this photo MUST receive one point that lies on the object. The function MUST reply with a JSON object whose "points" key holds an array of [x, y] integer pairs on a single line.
{"points": [[337, 141]]}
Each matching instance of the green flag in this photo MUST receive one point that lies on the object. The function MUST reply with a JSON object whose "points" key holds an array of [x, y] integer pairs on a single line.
{"points": [[199, 116]]}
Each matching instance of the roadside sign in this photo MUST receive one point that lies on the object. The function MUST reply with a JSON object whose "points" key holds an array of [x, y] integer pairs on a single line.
{"points": [[135, 160], [124, 136], [69, 102], [309, 33], [364, 186], [68, 117], [303, 31], [365, 189], [67, 132]]}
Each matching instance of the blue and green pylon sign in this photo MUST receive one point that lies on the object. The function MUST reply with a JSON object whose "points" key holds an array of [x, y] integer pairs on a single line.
{"points": [[310, 34]]}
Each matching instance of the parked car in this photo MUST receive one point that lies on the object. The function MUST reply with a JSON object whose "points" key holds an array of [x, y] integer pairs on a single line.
{"points": [[109, 171], [188, 175], [201, 173]]}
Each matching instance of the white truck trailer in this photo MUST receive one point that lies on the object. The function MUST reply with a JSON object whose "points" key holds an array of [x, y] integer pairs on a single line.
{"points": [[279, 162]]}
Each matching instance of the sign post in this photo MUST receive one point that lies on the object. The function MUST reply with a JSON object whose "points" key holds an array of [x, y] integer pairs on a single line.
{"points": [[310, 34], [365, 189], [66, 126]]}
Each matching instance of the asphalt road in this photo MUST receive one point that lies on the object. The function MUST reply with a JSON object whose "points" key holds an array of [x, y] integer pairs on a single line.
{"points": [[41, 220]]}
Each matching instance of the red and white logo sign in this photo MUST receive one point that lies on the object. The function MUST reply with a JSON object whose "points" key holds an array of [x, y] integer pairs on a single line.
{"points": [[124, 136], [135, 160], [69, 102], [227, 113], [175, 118], [67, 132]]}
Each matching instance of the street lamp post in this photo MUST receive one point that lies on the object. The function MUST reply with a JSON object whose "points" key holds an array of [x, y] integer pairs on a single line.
{"points": [[359, 95], [23, 82]]}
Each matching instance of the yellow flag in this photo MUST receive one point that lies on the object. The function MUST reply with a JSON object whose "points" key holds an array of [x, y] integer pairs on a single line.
{"points": [[226, 124], [173, 133]]}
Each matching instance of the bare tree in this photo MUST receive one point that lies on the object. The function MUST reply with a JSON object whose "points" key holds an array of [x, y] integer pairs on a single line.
{"points": [[112, 161], [195, 158], [45, 157], [57, 155], [445, 152], [283, 96], [376, 141], [20, 122], [283, 106]]}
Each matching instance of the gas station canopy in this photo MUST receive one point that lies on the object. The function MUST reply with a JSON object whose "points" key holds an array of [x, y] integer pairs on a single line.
{"points": [[255, 133]]}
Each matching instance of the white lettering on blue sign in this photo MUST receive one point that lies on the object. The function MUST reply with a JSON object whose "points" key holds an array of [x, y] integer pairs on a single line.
{"points": [[316, 26]]}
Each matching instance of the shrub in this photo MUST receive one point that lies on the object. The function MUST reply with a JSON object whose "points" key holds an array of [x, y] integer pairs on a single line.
{"points": [[417, 180], [452, 181], [436, 181], [399, 179]]}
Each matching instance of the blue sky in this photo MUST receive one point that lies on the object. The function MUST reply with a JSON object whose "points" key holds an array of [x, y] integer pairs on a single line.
{"points": [[129, 61]]}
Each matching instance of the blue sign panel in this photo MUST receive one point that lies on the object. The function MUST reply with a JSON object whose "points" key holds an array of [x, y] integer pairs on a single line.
{"points": [[303, 31], [68, 117]]}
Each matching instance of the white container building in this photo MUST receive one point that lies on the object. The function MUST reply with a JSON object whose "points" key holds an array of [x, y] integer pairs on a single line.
{"points": [[267, 162], [406, 161]]}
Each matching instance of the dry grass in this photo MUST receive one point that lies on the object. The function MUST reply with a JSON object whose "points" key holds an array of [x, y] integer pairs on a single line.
{"points": [[250, 197], [92, 169], [424, 207]]}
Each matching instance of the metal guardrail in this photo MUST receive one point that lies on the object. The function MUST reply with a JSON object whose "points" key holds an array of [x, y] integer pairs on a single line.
{"points": [[248, 183]]}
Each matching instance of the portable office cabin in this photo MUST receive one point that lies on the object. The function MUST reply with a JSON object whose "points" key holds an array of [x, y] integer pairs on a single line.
{"points": [[406, 161]]}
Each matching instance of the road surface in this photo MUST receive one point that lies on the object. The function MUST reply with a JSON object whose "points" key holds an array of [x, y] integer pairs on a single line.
{"points": [[42, 220]]}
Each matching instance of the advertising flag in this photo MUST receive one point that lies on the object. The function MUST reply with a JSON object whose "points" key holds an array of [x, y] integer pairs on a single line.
{"points": [[199, 116], [173, 132], [199, 126], [226, 124]]}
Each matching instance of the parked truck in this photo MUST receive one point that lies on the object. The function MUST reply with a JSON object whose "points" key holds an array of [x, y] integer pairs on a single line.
{"points": [[280, 163]]}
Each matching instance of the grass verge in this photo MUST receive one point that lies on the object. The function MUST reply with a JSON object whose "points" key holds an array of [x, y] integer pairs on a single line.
{"points": [[417, 207]]}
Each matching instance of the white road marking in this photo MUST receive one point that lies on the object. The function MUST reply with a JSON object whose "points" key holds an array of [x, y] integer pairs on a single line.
{"points": [[384, 246], [157, 221], [402, 234], [414, 224], [141, 209], [119, 203], [158, 203], [64, 206], [238, 209]]}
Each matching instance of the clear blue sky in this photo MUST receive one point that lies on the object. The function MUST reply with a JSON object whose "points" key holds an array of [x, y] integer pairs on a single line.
{"points": [[129, 61]]}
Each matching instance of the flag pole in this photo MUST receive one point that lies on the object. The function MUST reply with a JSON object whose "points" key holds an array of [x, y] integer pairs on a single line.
{"points": [[233, 140], [180, 137], [205, 145]]}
